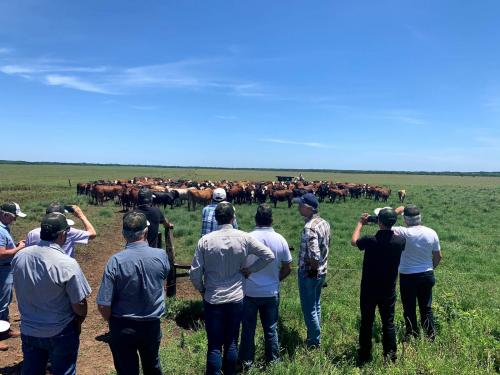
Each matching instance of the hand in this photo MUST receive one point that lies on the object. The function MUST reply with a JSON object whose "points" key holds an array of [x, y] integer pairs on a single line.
{"points": [[364, 218], [77, 211], [312, 273], [78, 324], [170, 226], [21, 245], [246, 272]]}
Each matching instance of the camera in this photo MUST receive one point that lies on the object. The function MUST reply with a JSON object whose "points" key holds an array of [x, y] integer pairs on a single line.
{"points": [[69, 208], [372, 219]]}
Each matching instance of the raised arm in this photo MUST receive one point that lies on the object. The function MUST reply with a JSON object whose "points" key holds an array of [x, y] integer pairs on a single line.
{"points": [[86, 223], [357, 230]]}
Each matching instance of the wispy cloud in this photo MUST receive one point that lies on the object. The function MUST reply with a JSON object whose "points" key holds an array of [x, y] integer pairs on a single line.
{"points": [[226, 117], [489, 141], [144, 107], [403, 116], [300, 143], [492, 102], [74, 83], [5, 51]]}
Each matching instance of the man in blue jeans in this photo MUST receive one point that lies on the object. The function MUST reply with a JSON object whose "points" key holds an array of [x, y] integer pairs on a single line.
{"points": [[51, 293], [132, 299], [313, 261], [262, 290], [217, 273]]}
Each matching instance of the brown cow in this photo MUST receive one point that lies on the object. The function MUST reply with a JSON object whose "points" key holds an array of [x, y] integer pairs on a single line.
{"points": [[281, 195], [203, 197]]}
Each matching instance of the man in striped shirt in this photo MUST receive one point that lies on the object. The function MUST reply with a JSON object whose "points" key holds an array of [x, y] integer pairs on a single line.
{"points": [[313, 261], [208, 221]]}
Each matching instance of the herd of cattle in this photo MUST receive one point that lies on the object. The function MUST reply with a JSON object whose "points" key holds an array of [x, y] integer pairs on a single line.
{"points": [[174, 193]]}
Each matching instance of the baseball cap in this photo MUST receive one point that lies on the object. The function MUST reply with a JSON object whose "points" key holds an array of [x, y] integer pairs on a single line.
{"points": [[145, 196], [12, 208], [411, 210], [53, 224], [309, 199], [377, 210], [387, 216], [219, 195], [58, 207], [135, 222]]}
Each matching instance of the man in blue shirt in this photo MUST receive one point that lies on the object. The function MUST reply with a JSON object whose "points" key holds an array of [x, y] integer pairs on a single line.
{"points": [[51, 293], [8, 213], [208, 221], [131, 299]]}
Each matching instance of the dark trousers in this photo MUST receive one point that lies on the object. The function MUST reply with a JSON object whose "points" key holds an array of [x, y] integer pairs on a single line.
{"points": [[222, 323], [61, 350], [418, 287], [129, 337], [385, 300]]}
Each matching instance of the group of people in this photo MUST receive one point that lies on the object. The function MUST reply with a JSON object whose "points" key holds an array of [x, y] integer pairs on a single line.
{"points": [[238, 275]]}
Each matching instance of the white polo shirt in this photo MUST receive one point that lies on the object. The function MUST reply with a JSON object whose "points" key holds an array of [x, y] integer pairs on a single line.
{"points": [[421, 242]]}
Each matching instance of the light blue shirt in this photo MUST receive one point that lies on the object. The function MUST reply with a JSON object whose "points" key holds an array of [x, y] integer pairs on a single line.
{"points": [[266, 282], [47, 282], [133, 280], [6, 241]]}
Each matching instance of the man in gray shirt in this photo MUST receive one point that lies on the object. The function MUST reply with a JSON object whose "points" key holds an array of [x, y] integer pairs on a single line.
{"points": [[132, 299], [217, 272], [51, 294]]}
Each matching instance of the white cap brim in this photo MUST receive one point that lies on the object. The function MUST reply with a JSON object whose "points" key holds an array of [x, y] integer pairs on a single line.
{"points": [[4, 326], [21, 214], [70, 222], [18, 210]]}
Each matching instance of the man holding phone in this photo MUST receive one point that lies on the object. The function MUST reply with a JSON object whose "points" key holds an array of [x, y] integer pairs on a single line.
{"points": [[74, 236]]}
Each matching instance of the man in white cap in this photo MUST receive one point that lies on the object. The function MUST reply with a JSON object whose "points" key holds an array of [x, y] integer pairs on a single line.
{"points": [[208, 221], [8, 213], [74, 236]]}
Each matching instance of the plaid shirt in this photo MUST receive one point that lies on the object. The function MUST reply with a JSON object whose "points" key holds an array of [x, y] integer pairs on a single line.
{"points": [[314, 243], [208, 222]]}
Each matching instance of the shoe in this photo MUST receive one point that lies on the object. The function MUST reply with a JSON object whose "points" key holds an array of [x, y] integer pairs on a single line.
{"points": [[14, 333], [3, 347]]}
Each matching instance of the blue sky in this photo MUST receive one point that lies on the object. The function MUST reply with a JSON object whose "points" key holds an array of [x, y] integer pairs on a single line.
{"points": [[386, 85]]}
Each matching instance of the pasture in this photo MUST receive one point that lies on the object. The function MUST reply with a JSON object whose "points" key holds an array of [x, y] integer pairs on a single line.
{"points": [[463, 210]]}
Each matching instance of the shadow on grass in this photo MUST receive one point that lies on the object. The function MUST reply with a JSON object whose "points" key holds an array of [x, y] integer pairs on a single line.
{"points": [[289, 338], [190, 316]]}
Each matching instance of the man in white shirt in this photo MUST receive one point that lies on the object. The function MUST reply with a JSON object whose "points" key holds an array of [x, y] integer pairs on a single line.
{"points": [[421, 256], [262, 290]]}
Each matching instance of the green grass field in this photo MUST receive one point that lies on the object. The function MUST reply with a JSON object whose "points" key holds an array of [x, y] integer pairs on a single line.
{"points": [[463, 210]]}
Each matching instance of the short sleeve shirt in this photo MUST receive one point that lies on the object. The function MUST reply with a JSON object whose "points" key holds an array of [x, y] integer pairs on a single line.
{"points": [[381, 260], [266, 282], [7, 242], [75, 236], [155, 217], [421, 242], [133, 280], [47, 282]]}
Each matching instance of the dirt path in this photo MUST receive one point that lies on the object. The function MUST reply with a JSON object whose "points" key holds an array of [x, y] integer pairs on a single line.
{"points": [[94, 356]]}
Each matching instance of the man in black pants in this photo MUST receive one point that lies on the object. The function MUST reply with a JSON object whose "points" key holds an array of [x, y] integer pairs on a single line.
{"points": [[153, 214], [132, 299], [378, 282]]}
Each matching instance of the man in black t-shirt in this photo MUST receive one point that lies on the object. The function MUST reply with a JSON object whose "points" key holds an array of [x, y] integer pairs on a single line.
{"points": [[378, 282], [153, 215]]}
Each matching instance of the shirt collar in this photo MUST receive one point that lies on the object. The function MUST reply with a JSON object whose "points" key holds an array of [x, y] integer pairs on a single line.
{"points": [[314, 216], [226, 226], [52, 245], [5, 226], [264, 229], [136, 244]]}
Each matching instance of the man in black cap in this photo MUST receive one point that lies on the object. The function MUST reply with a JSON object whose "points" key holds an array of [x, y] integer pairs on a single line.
{"points": [[132, 299], [421, 256], [51, 293], [8, 213], [378, 282], [153, 214]]}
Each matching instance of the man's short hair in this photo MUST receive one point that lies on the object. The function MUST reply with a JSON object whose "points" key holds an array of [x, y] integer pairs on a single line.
{"points": [[264, 216], [388, 217], [224, 213]]}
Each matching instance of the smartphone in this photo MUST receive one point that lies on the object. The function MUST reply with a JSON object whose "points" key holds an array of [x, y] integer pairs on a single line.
{"points": [[69, 208]]}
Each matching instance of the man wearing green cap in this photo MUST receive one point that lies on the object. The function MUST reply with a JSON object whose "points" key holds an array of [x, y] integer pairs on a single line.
{"points": [[51, 293], [8, 213], [378, 282]]}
